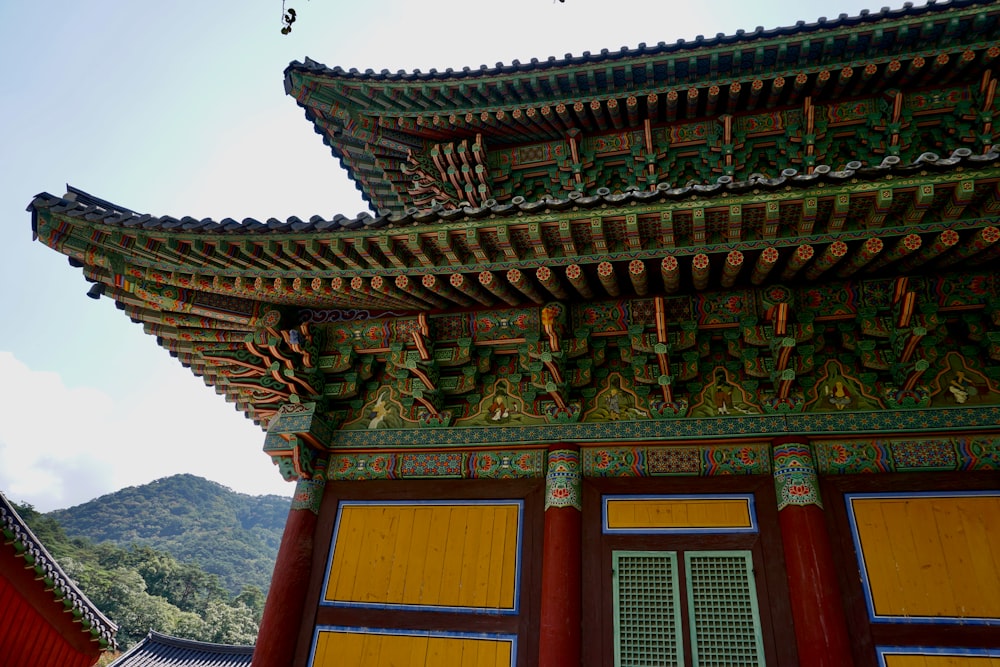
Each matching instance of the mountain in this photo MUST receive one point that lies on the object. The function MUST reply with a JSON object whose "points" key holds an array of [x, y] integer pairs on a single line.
{"points": [[232, 535]]}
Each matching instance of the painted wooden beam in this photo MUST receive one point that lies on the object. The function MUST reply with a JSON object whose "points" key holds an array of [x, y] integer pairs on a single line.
{"points": [[833, 254], [469, 289], [798, 259], [862, 256], [902, 248], [498, 288], [548, 279], [576, 278], [766, 261]]}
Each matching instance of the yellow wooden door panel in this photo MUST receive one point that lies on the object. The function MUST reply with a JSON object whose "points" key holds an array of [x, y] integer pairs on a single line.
{"points": [[930, 555], [395, 585], [416, 555], [665, 513], [450, 555], [509, 573], [941, 661], [434, 563], [498, 545], [358, 648], [454, 552], [346, 555]]}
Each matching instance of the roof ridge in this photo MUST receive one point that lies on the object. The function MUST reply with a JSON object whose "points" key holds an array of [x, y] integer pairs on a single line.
{"points": [[16, 530], [207, 647], [787, 178], [908, 9]]}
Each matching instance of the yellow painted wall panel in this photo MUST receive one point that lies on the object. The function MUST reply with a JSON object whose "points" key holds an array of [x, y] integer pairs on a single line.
{"points": [[678, 513], [448, 555], [498, 545], [415, 556], [346, 555], [931, 555], [509, 573], [454, 553], [941, 661], [363, 649]]}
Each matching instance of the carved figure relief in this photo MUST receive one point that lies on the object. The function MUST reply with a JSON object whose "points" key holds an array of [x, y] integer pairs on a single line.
{"points": [[836, 391], [960, 384], [723, 396], [615, 402]]}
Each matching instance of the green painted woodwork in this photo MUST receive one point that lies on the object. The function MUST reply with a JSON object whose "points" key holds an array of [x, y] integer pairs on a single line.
{"points": [[797, 98], [782, 232], [723, 612], [723, 618], [646, 608]]}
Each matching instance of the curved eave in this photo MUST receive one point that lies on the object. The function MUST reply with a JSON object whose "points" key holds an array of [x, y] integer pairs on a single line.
{"points": [[21, 541], [802, 29], [113, 218], [160, 650], [204, 288], [505, 104]]}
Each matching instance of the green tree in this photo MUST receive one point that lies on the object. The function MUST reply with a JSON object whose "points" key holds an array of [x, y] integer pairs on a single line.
{"points": [[227, 624]]}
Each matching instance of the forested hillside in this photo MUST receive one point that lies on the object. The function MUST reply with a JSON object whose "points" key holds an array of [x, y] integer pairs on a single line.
{"points": [[229, 534], [140, 588]]}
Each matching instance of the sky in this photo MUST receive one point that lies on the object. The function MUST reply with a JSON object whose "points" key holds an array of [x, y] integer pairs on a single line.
{"points": [[178, 108]]}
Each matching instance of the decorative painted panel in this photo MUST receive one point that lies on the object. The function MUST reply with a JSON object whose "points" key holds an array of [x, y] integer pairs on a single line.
{"points": [[350, 646], [928, 557], [679, 514], [510, 464], [889, 422], [668, 461], [438, 556], [836, 457]]}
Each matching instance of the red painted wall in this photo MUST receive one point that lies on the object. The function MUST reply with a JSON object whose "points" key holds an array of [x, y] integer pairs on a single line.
{"points": [[27, 637]]}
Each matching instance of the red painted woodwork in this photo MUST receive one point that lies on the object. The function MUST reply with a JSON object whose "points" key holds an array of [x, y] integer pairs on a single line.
{"points": [[560, 636], [279, 627], [820, 625], [525, 624], [768, 559], [28, 638]]}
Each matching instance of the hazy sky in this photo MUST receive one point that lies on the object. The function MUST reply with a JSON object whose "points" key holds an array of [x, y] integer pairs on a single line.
{"points": [[177, 108]]}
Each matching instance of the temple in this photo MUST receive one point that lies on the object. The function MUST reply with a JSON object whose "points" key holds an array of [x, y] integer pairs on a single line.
{"points": [[45, 620], [686, 354]]}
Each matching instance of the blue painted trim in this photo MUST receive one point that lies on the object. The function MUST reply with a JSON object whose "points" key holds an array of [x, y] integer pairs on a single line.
{"points": [[607, 530], [882, 651], [492, 636], [866, 584], [414, 607]]}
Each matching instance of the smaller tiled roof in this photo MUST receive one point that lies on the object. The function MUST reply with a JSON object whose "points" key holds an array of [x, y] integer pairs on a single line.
{"points": [[159, 650], [79, 204], [18, 537]]}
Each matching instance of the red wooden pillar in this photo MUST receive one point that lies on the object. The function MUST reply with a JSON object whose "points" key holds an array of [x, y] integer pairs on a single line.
{"points": [[560, 633], [279, 627], [817, 607]]}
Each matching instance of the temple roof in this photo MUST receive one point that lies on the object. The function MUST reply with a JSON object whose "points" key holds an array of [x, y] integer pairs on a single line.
{"points": [[159, 650], [802, 29], [385, 127], [85, 207], [856, 149], [19, 542]]}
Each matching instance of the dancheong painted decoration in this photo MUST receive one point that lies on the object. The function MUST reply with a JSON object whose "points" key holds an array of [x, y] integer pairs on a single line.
{"points": [[685, 354]]}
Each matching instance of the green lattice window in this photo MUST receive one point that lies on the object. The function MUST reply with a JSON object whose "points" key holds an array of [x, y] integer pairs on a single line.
{"points": [[722, 609], [647, 609], [723, 621]]}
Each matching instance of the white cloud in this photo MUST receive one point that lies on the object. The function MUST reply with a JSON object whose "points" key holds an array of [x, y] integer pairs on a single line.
{"points": [[60, 446]]}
